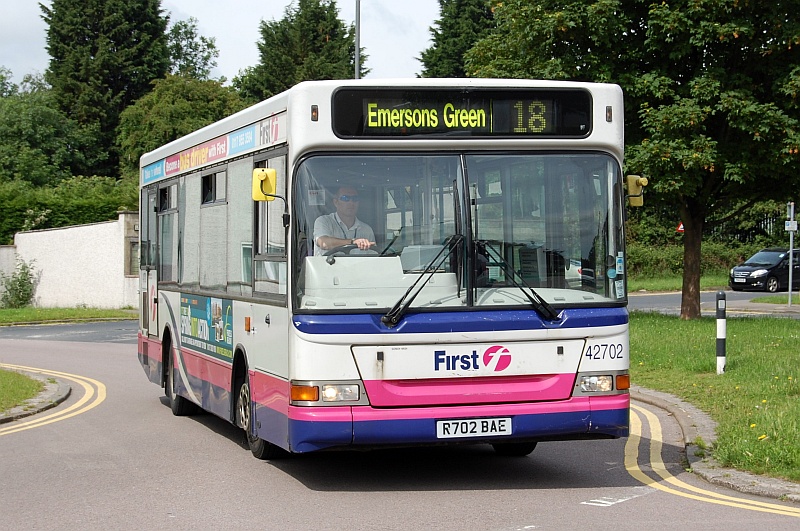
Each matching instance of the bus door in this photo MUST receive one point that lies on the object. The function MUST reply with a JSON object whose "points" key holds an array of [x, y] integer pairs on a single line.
{"points": [[148, 272]]}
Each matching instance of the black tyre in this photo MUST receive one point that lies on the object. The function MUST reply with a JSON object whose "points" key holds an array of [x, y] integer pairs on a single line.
{"points": [[772, 284], [514, 449], [260, 448], [181, 407]]}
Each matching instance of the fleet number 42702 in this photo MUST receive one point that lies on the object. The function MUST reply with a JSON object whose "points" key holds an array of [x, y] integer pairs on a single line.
{"points": [[605, 351]]}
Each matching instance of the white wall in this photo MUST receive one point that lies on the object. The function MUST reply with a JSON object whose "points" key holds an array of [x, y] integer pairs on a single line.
{"points": [[84, 265], [8, 258]]}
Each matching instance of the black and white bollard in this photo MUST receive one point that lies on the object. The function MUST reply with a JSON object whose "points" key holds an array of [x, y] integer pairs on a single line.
{"points": [[722, 330]]}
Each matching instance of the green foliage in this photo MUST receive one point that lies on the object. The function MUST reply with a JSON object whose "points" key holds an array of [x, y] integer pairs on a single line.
{"points": [[554, 39], [716, 258], [103, 56], [38, 143], [20, 286], [461, 24], [191, 54], [7, 87], [177, 106], [309, 43], [712, 110], [74, 201]]}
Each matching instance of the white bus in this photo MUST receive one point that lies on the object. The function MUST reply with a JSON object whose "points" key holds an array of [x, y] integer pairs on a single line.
{"points": [[367, 264]]}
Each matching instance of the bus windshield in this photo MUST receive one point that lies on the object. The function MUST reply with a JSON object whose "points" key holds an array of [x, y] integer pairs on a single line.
{"points": [[444, 231]]}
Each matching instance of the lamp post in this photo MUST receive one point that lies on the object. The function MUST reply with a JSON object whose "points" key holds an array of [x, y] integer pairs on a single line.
{"points": [[791, 227], [358, 39]]}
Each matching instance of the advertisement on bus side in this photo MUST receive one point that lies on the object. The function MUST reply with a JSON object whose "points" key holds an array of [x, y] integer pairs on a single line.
{"points": [[207, 325]]}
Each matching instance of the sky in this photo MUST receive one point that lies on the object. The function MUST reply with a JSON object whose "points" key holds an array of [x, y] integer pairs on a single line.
{"points": [[393, 32]]}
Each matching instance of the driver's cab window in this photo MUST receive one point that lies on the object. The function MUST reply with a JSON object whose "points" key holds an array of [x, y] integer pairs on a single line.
{"points": [[269, 265], [367, 226]]}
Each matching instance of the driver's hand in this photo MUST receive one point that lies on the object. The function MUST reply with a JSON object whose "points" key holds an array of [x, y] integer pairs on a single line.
{"points": [[363, 243]]}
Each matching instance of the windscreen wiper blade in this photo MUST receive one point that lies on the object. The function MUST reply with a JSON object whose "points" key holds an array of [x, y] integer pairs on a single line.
{"points": [[539, 304], [394, 315]]}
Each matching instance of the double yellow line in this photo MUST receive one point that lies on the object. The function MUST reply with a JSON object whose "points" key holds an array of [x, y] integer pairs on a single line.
{"points": [[94, 394], [688, 491]]}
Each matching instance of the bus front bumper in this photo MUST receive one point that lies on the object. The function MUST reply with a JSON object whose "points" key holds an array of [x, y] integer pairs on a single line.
{"points": [[311, 429]]}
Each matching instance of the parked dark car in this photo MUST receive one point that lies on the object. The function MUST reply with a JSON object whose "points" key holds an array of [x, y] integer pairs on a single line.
{"points": [[767, 270]]}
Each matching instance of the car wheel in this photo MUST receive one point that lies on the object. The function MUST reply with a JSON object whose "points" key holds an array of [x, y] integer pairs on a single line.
{"points": [[260, 448], [772, 284], [514, 449]]}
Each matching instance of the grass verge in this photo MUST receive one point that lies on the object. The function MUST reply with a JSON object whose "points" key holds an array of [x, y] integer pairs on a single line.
{"points": [[756, 403], [16, 388], [34, 315], [778, 299]]}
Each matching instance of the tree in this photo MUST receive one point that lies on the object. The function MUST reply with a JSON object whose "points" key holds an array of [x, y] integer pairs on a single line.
{"points": [[712, 110], [38, 144], [191, 54], [309, 43], [176, 106], [103, 56], [7, 86], [461, 24]]}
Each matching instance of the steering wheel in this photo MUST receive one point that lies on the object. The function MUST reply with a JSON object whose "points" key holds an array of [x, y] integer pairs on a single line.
{"points": [[344, 249]]}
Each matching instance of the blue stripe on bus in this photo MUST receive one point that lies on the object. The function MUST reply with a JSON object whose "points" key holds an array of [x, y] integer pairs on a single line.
{"points": [[473, 321], [310, 436]]}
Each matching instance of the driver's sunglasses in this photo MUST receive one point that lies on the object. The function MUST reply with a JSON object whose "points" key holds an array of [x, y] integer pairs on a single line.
{"points": [[348, 198]]}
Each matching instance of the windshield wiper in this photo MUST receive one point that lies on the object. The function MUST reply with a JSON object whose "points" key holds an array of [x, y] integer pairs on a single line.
{"points": [[394, 315], [536, 300], [389, 245]]}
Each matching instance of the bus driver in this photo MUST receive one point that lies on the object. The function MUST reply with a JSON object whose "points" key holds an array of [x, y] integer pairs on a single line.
{"points": [[342, 227]]}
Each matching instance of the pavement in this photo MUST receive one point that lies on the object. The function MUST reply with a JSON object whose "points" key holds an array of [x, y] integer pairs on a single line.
{"points": [[748, 308], [696, 426], [708, 305]]}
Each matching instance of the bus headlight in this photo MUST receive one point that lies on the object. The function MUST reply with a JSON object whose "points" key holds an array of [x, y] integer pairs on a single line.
{"points": [[328, 393], [597, 384], [340, 393]]}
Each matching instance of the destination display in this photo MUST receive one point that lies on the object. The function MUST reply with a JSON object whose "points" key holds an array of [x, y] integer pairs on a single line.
{"points": [[389, 113]]}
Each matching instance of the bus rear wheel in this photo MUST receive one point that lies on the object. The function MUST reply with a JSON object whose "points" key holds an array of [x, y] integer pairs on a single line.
{"points": [[514, 449], [181, 407], [260, 448]]}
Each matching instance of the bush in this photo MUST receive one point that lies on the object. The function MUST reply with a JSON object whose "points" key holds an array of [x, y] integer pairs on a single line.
{"points": [[19, 287], [717, 258]]}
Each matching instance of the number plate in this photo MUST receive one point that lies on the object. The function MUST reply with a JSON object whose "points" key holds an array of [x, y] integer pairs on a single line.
{"points": [[740, 280], [448, 429]]}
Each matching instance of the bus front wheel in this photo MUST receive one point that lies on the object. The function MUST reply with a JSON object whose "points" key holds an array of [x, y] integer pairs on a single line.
{"points": [[260, 448]]}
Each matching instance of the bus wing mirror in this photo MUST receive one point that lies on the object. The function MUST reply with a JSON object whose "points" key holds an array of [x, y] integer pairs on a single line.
{"points": [[265, 182], [636, 186]]}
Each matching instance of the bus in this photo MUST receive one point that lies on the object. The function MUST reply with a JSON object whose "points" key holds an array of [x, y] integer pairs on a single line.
{"points": [[474, 292]]}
